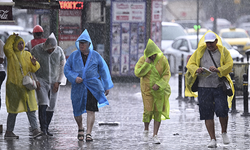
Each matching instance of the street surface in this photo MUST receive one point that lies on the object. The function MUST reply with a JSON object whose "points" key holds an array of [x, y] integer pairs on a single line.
{"points": [[183, 131]]}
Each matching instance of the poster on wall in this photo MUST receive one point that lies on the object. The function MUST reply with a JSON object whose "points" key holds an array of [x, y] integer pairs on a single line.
{"points": [[70, 29], [128, 34], [156, 18]]}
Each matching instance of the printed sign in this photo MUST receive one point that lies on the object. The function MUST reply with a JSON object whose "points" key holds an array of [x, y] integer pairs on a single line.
{"points": [[156, 18], [6, 13], [69, 30], [128, 34]]}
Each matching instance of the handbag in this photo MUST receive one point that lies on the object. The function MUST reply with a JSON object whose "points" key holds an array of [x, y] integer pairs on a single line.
{"points": [[28, 82], [194, 87], [225, 84]]}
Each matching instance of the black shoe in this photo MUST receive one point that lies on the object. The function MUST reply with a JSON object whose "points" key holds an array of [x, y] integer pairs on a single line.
{"points": [[44, 132], [49, 134]]}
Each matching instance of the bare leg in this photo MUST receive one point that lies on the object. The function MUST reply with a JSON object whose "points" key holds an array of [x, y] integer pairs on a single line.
{"points": [[90, 121], [80, 126], [156, 127], [210, 128], [146, 125], [223, 123]]}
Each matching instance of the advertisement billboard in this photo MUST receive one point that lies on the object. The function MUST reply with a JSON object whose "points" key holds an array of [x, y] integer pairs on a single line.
{"points": [[128, 34]]}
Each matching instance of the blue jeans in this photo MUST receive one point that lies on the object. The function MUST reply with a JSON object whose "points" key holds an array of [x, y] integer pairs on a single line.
{"points": [[11, 120]]}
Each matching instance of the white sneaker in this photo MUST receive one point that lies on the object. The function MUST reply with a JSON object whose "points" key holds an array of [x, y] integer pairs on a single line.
{"points": [[225, 138], [156, 140], [145, 135], [212, 144]]}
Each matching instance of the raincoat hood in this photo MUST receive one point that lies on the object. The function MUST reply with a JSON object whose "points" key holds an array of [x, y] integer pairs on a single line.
{"points": [[226, 64], [202, 42], [15, 44], [50, 43], [84, 36], [151, 49]]}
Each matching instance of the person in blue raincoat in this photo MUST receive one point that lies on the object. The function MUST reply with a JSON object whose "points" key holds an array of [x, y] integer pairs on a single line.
{"points": [[91, 81]]}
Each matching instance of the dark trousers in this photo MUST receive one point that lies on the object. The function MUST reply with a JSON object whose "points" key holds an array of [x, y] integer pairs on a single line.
{"points": [[2, 77], [44, 117]]}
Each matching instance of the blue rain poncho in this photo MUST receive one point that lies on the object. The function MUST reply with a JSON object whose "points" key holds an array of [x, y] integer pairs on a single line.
{"points": [[95, 74]]}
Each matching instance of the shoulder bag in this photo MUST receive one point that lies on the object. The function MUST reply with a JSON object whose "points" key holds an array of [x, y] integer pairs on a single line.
{"points": [[28, 82], [226, 86]]}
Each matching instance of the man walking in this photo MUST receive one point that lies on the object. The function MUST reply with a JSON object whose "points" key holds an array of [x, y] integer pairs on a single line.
{"points": [[212, 99], [52, 59]]}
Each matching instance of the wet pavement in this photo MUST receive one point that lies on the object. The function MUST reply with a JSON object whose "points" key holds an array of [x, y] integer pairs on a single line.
{"points": [[183, 131]]}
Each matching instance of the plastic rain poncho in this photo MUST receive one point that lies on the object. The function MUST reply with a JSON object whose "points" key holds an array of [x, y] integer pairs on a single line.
{"points": [[94, 69], [226, 65], [157, 72], [51, 69], [17, 96]]}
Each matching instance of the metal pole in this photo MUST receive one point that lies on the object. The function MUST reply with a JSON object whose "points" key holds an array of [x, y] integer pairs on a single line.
{"points": [[233, 110], [180, 84], [197, 21], [215, 16], [245, 94], [185, 97]]}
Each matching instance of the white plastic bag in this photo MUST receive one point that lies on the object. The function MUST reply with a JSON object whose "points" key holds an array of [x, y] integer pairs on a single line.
{"points": [[29, 83]]}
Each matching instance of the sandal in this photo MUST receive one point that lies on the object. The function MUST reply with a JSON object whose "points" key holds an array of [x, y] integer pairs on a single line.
{"points": [[80, 137], [88, 138]]}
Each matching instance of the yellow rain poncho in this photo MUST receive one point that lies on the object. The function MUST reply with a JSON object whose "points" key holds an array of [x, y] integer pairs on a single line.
{"points": [[226, 65], [157, 72], [17, 96]]}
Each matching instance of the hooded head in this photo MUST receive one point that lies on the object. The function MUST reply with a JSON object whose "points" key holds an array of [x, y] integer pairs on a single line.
{"points": [[151, 49], [17, 40], [84, 37], [50, 43]]}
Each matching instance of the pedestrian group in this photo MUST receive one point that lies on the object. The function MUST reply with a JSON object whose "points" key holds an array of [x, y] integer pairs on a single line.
{"points": [[91, 81]]}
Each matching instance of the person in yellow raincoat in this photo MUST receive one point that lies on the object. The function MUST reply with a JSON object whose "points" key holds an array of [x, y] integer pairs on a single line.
{"points": [[18, 98], [212, 98], [154, 73]]}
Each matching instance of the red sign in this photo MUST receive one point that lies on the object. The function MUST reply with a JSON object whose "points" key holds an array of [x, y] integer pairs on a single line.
{"points": [[71, 5], [6, 13]]}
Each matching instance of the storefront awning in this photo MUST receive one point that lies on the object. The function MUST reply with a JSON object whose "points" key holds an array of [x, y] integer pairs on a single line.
{"points": [[37, 4]]}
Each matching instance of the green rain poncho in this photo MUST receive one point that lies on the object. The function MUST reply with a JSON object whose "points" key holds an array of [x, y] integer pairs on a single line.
{"points": [[17, 96], [157, 72]]}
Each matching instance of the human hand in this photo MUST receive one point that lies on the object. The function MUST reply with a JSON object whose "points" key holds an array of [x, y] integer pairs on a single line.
{"points": [[33, 60], [155, 87], [199, 70], [1, 60], [213, 69], [148, 60], [106, 92], [79, 79], [38, 85], [55, 87]]}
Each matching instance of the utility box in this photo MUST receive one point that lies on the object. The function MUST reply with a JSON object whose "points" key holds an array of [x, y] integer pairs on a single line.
{"points": [[239, 69]]}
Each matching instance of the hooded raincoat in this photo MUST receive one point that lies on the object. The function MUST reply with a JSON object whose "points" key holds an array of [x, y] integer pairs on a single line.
{"points": [[95, 74], [17, 96], [157, 72], [51, 70], [226, 65]]}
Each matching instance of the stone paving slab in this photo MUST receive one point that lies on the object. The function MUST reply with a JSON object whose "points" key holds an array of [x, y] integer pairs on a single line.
{"points": [[183, 131]]}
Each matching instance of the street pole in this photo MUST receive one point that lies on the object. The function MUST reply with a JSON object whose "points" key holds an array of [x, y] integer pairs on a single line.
{"points": [[197, 21], [215, 16]]}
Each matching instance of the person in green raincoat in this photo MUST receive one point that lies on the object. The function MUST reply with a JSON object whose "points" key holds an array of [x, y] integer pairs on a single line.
{"points": [[154, 73], [212, 99], [18, 97]]}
